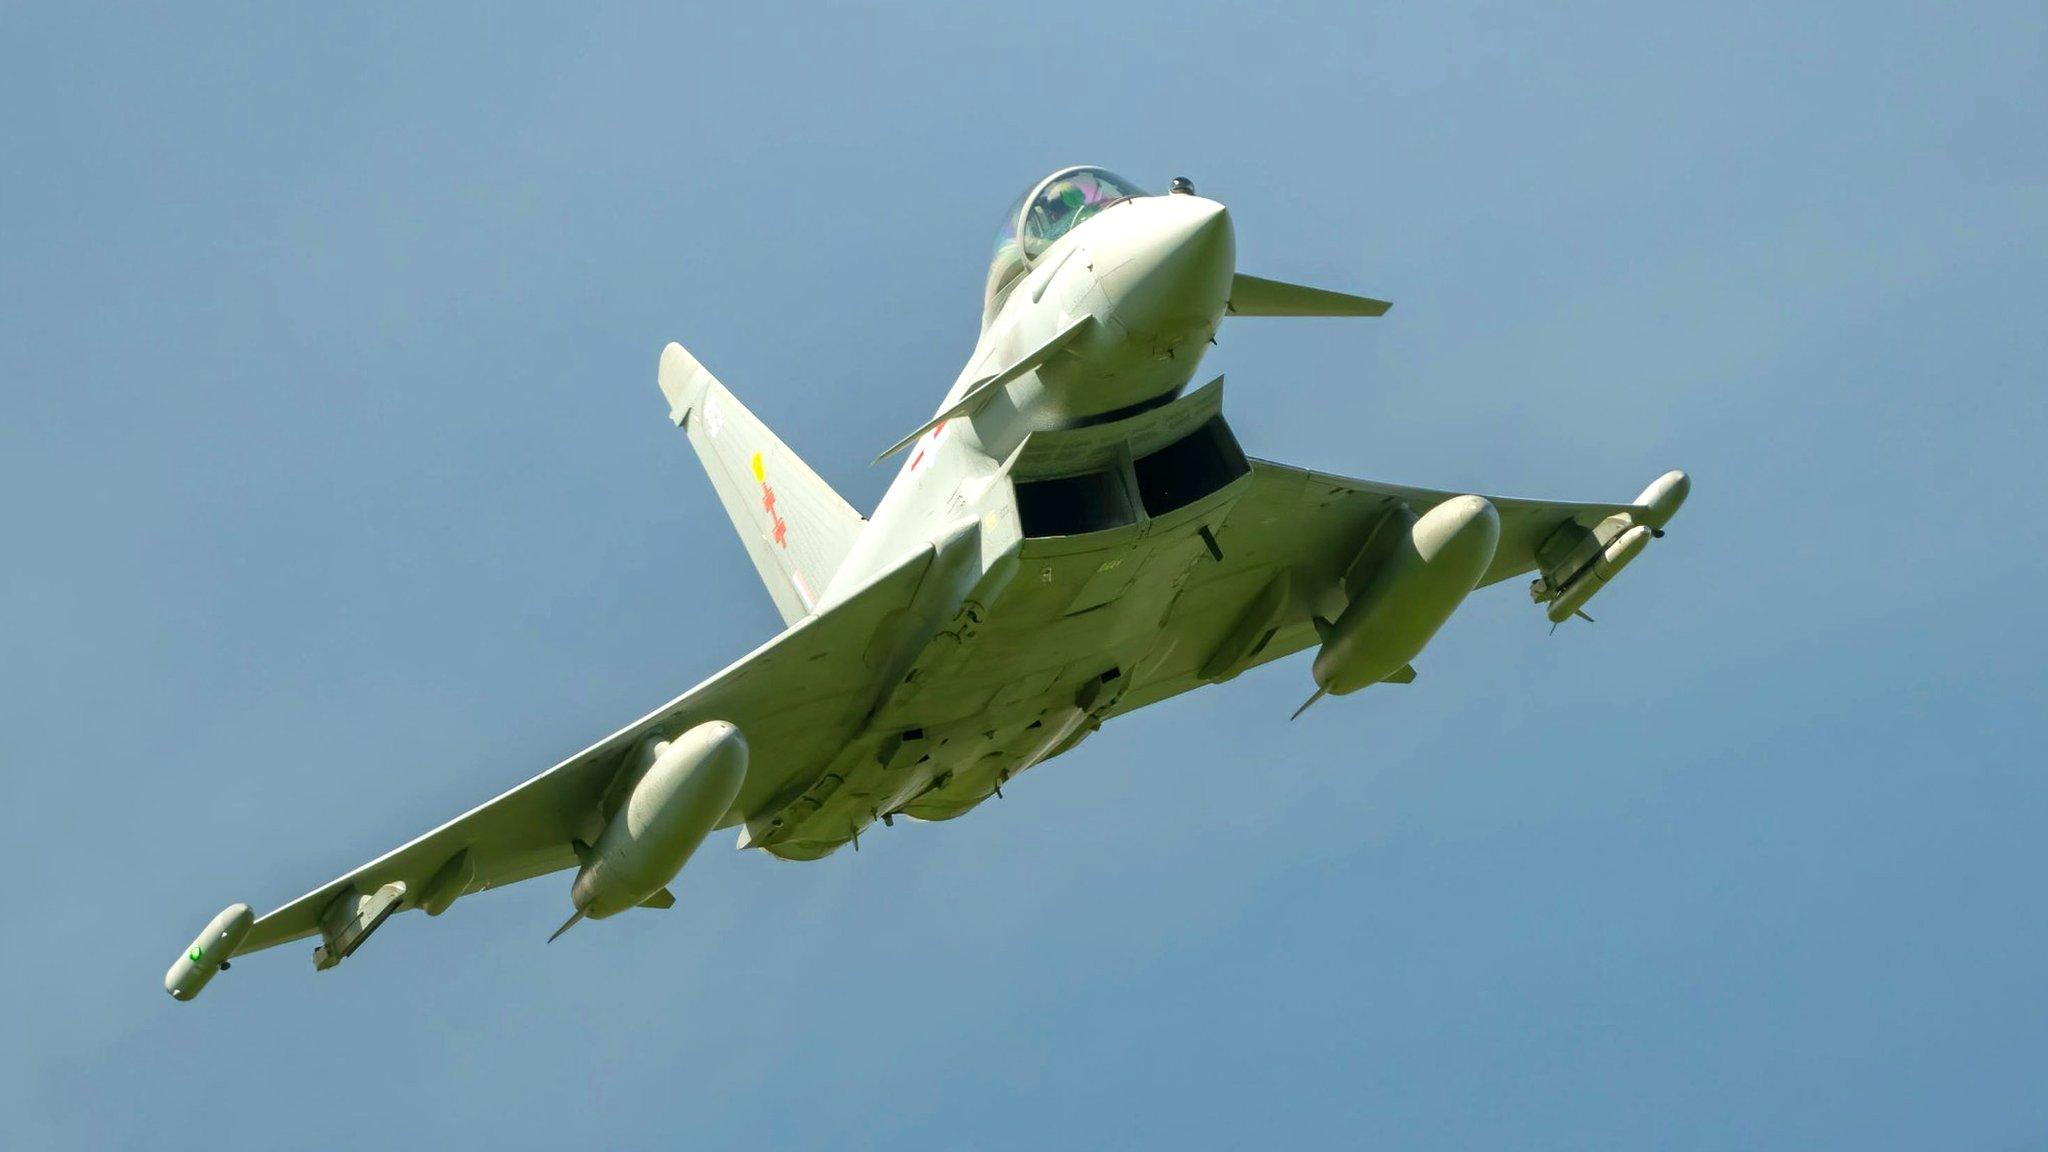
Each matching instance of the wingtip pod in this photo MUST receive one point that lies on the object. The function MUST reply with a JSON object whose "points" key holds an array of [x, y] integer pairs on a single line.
{"points": [[1662, 499], [209, 952]]}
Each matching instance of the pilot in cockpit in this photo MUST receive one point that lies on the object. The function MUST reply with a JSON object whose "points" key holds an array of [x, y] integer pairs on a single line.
{"points": [[1047, 211], [1065, 201]]}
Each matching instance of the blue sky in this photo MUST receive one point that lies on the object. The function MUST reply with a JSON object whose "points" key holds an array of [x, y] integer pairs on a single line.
{"points": [[339, 496]]}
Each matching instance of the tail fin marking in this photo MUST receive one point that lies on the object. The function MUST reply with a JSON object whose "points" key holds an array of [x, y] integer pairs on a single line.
{"points": [[796, 529]]}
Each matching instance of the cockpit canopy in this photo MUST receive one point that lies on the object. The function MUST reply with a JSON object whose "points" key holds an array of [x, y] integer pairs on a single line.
{"points": [[1045, 212]]}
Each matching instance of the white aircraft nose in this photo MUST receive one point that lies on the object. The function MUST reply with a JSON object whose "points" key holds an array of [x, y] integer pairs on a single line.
{"points": [[1166, 264]]}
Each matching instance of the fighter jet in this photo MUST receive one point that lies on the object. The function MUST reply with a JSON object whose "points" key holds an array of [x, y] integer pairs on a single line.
{"points": [[1074, 533]]}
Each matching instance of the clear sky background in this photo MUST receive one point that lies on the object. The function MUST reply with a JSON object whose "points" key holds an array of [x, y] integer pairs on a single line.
{"points": [[338, 496]]}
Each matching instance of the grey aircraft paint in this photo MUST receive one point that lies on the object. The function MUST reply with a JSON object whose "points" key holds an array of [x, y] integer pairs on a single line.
{"points": [[1073, 534]]}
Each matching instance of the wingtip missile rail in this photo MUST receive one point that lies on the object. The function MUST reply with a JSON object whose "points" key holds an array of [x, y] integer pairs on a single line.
{"points": [[1662, 500], [1585, 560], [1605, 567]]}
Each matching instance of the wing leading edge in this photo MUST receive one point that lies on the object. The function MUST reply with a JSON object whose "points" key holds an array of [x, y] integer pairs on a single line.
{"points": [[1338, 510], [797, 698], [1287, 544]]}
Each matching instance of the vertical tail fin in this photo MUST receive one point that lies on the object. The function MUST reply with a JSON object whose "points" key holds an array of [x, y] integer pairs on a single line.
{"points": [[796, 528]]}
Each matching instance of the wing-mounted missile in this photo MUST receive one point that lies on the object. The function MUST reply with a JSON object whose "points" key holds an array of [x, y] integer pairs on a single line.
{"points": [[683, 788], [1411, 574], [1576, 562], [209, 952], [1570, 600]]}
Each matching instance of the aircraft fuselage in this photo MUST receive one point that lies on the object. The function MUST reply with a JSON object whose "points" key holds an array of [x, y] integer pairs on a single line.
{"points": [[1061, 592]]}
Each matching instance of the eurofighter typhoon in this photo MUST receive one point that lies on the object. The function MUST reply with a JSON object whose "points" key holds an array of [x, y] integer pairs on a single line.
{"points": [[1074, 533]]}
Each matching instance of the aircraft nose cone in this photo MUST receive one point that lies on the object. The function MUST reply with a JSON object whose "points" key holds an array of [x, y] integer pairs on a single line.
{"points": [[1198, 229], [1171, 265]]}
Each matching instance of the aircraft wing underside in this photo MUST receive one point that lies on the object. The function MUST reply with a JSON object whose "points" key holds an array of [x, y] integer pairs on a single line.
{"points": [[796, 697], [1324, 516], [1100, 623], [1285, 545]]}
